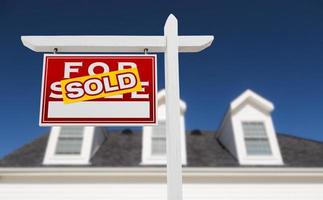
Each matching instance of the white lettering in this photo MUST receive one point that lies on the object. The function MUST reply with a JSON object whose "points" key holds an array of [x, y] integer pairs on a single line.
{"points": [[56, 87], [68, 68], [93, 87], [141, 96], [107, 85]]}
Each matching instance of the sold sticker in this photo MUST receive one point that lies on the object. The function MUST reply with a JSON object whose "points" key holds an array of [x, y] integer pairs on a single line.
{"points": [[100, 85]]}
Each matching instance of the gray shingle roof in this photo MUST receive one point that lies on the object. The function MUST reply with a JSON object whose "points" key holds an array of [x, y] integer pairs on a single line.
{"points": [[203, 150], [298, 152]]}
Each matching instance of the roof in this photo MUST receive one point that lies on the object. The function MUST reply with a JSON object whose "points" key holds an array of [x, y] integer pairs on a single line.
{"points": [[203, 150]]}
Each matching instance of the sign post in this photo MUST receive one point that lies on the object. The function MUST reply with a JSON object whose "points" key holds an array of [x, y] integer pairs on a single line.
{"points": [[173, 138], [170, 44]]}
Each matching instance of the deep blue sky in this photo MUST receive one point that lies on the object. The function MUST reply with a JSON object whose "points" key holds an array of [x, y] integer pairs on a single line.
{"points": [[272, 47]]}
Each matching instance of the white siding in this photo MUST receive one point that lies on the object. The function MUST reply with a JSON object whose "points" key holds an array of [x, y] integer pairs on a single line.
{"points": [[157, 191]]}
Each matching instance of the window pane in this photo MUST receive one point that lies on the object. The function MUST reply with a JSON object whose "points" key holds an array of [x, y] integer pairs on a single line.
{"points": [[256, 138], [69, 146], [258, 147], [158, 139], [74, 131], [158, 146], [254, 129], [70, 140], [159, 131]]}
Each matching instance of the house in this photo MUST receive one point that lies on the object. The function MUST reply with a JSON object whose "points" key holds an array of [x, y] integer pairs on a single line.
{"points": [[244, 159]]}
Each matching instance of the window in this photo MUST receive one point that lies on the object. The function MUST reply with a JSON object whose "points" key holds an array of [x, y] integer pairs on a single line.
{"points": [[154, 137], [256, 139], [158, 140], [70, 141], [72, 145]]}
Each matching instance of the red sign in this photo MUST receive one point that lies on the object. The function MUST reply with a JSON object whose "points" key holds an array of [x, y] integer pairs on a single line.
{"points": [[133, 108]]}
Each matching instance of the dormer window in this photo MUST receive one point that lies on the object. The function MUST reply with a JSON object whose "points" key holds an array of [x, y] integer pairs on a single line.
{"points": [[256, 138], [72, 145], [247, 131], [154, 137], [70, 141]]}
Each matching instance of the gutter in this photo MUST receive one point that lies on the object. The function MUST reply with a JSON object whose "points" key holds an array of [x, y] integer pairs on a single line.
{"points": [[159, 172], [125, 171]]}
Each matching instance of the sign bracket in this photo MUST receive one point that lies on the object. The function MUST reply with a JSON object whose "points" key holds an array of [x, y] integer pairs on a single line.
{"points": [[146, 51]]}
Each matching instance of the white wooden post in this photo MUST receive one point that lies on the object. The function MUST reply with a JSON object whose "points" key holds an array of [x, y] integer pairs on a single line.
{"points": [[173, 136]]}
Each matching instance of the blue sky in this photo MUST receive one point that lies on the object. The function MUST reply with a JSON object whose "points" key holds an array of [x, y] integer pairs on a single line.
{"points": [[271, 47]]}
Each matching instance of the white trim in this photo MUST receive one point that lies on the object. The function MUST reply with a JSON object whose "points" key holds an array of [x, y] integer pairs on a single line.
{"points": [[249, 95], [161, 171], [220, 170]]}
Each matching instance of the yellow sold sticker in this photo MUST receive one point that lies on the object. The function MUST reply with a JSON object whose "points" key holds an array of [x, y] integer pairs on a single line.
{"points": [[100, 85]]}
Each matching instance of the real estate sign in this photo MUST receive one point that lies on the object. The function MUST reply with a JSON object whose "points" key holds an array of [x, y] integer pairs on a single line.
{"points": [[82, 89]]}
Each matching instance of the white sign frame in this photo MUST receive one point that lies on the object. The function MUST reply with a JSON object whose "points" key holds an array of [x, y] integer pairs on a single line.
{"points": [[140, 123]]}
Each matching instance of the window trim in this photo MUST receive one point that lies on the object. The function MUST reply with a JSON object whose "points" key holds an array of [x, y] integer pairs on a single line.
{"points": [[148, 158], [252, 113], [51, 158]]}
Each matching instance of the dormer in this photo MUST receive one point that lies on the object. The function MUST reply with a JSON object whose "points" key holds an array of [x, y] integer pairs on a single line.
{"points": [[154, 137], [72, 145], [247, 131]]}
